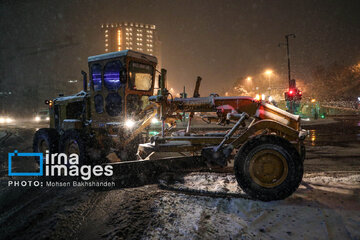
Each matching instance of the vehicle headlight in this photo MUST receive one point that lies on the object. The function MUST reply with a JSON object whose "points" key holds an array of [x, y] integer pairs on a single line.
{"points": [[129, 123], [2, 120], [154, 120], [9, 120], [47, 118], [37, 118]]}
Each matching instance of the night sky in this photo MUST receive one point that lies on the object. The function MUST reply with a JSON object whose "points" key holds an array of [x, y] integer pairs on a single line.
{"points": [[218, 40]]}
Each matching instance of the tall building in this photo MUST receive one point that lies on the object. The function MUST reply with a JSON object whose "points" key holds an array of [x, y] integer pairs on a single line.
{"points": [[135, 36]]}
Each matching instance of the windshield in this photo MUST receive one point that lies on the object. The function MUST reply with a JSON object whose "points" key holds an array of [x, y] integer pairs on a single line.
{"points": [[140, 76]]}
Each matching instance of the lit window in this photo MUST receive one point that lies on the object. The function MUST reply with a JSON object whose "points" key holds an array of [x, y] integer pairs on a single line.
{"points": [[106, 40], [106, 35], [119, 37], [96, 76], [112, 80], [106, 49], [106, 45], [106, 30]]}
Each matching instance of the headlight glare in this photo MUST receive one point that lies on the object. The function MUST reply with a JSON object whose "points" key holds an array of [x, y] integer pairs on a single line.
{"points": [[154, 120], [9, 120], [129, 123]]}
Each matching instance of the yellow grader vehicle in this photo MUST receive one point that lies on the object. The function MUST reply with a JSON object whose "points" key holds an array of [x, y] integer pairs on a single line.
{"points": [[114, 115]]}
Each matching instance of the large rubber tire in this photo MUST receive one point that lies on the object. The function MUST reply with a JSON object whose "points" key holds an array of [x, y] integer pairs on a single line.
{"points": [[72, 141], [46, 139], [268, 155], [302, 152]]}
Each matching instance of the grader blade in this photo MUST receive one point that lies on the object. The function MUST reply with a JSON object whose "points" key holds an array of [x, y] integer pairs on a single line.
{"points": [[142, 172]]}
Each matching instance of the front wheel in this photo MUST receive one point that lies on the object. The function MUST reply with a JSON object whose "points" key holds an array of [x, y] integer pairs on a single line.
{"points": [[45, 140], [268, 168]]}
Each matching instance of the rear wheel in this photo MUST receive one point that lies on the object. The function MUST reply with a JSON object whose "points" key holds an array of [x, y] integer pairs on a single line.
{"points": [[73, 142], [268, 168], [46, 139]]}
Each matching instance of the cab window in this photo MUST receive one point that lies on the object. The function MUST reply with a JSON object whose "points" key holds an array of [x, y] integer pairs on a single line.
{"points": [[112, 76], [96, 76], [140, 76]]}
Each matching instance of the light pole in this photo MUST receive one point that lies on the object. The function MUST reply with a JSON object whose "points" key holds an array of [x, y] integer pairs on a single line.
{"points": [[292, 82], [288, 52]]}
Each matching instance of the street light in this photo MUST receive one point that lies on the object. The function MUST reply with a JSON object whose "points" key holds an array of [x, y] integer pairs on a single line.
{"points": [[249, 82], [268, 72]]}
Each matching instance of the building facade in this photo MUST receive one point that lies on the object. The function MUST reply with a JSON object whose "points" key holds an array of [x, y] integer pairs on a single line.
{"points": [[135, 36]]}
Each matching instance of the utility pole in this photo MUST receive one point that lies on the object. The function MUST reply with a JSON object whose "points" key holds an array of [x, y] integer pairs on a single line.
{"points": [[293, 96], [288, 56]]}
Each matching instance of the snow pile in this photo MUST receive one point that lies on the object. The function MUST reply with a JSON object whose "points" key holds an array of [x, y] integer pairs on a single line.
{"points": [[308, 214]]}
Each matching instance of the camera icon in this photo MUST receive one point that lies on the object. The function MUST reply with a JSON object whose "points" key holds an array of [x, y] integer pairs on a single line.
{"points": [[17, 154]]}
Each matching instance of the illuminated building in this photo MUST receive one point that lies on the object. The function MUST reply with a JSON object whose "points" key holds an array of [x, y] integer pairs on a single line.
{"points": [[135, 36]]}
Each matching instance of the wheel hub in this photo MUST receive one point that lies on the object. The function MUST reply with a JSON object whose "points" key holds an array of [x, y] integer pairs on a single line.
{"points": [[268, 168]]}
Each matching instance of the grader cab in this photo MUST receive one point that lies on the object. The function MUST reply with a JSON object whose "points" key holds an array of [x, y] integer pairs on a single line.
{"points": [[114, 115]]}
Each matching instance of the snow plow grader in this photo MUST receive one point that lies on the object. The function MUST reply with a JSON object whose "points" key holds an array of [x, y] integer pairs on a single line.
{"points": [[263, 142]]}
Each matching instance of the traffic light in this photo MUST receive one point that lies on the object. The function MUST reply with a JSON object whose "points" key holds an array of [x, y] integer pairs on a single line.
{"points": [[293, 94], [289, 95]]}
